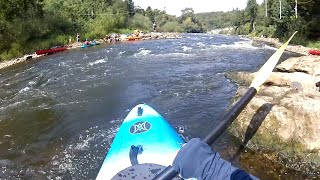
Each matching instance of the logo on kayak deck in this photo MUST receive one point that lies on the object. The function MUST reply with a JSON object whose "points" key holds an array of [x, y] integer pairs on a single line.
{"points": [[140, 127]]}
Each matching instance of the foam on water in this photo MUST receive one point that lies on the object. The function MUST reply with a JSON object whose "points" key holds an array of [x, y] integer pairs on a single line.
{"points": [[13, 105], [174, 55], [97, 62], [142, 53], [24, 89], [236, 45], [77, 155], [269, 47], [200, 44], [186, 48], [31, 83]]}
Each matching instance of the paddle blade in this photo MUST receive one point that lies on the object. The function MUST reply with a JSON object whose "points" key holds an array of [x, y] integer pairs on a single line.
{"points": [[268, 67]]}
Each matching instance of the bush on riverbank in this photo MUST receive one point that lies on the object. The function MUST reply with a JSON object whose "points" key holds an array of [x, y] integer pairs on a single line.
{"points": [[314, 44], [140, 22], [172, 27]]}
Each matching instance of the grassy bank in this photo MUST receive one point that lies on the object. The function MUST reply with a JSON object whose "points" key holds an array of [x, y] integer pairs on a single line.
{"points": [[18, 50]]}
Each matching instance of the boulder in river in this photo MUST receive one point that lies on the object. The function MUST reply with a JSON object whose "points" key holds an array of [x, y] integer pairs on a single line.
{"points": [[283, 119]]}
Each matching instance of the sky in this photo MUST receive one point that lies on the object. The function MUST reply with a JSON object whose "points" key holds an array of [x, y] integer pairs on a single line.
{"points": [[174, 7]]}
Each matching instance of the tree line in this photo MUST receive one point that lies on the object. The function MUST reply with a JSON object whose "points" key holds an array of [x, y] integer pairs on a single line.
{"points": [[273, 18], [29, 25]]}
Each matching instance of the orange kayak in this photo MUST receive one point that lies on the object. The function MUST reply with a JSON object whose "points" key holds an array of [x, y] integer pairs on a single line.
{"points": [[131, 38]]}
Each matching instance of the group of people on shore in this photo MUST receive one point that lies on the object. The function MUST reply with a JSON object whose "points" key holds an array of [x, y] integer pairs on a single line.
{"points": [[115, 37], [112, 38], [107, 39]]}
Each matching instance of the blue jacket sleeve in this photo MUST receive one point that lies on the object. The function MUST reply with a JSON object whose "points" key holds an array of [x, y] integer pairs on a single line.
{"points": [[197, 160]]}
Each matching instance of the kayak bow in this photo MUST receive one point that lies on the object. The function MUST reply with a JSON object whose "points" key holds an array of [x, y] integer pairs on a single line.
{"points": [[147, 132]]}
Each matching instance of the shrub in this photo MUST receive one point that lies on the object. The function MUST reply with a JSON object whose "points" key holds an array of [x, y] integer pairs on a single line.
{"points": [[314, 44], [244, 29], [140, 22], [173, 26]]}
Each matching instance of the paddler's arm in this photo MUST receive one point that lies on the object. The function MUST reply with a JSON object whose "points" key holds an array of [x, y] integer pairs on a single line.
{"points": [[196, 159]]}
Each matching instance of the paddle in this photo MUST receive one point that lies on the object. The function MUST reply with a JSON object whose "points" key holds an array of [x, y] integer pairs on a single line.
{"points": [[232, 114]]}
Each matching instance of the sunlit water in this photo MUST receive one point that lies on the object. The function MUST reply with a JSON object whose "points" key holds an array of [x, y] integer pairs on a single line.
{"points": [[59, 114]]}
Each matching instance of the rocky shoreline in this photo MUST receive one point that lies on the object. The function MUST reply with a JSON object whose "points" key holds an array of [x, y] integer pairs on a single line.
{"points": [[283, 121], [110, 40], [274, 42]]}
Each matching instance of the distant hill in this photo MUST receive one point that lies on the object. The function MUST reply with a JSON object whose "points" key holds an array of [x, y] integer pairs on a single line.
{"points": [[216, 20]]}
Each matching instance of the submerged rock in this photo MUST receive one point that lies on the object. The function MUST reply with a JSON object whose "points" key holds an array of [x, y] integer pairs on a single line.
{"points": [[283, 119]]}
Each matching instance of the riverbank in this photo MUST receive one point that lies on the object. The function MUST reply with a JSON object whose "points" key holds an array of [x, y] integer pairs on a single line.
{"points": [[274, 42], [108, 40]]}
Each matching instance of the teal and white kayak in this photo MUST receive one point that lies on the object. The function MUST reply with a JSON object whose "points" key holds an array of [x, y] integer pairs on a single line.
{"points": [[158, 142]]}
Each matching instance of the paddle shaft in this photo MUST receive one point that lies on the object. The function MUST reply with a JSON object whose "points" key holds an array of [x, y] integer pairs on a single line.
{"points": [[226, 121]]}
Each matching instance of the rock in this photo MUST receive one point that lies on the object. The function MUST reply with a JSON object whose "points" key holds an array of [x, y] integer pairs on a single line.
{"points": [[242, 78], [306, 64], [258, 44], [155, 35], [284, 123], [274, 42], [297, 81], [283, 119]]}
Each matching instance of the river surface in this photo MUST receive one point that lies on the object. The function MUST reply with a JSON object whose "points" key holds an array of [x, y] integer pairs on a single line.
{"points": [[59, 114]]}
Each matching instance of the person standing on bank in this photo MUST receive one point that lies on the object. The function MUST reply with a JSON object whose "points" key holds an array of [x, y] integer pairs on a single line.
{"points": [[154, 26], [78, 37]]}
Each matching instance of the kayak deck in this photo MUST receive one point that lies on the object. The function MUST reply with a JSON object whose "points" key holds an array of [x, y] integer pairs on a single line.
{"points": [[146, 128]]}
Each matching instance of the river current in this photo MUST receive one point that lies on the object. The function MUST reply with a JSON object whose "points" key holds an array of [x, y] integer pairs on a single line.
{"points": [[59, 113]]}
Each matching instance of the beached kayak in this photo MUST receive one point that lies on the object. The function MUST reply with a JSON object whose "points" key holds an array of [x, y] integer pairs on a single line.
{"points": [[93, 43], [131, 38], [144, 137], [85, 45], [51, 51], [314, 52]]}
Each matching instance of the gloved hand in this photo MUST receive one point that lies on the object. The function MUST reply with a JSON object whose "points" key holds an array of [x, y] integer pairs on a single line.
{"points": [[190, 157], [197, 160]]}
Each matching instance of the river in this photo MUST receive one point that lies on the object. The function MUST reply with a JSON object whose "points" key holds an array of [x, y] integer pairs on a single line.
{"points": [[59, 113]]}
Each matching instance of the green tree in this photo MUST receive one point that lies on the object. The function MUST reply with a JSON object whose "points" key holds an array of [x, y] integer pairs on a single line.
{"points": [[131, 7], [140, 22], [251, 9], [149, 13]]}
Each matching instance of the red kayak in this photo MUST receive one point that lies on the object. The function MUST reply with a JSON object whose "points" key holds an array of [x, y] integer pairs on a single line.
{"points": [[314, 52], [50, 51]]}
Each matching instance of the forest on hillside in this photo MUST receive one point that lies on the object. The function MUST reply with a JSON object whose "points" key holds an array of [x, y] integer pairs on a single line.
{"points": [[273, 18], [28, 25]]}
